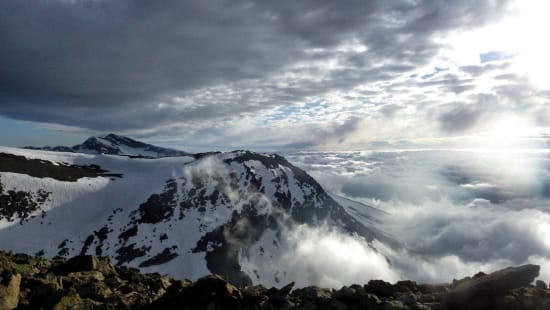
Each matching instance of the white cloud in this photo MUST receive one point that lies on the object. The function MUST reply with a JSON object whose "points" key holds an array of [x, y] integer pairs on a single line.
{"points": [[488, 211], [320, 256]]}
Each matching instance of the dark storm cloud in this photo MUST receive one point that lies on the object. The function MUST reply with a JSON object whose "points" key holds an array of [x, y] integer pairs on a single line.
{"points": [[109, 64]]}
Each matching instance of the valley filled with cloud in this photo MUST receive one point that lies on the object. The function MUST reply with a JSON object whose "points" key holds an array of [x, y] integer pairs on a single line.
{"points": [[455, 211]]}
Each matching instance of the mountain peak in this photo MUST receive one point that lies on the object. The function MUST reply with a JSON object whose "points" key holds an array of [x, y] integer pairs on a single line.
{"points": [[114, 144]]}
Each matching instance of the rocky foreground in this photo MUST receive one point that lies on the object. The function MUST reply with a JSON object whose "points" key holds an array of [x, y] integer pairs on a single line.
{"points": [[88, 282]]}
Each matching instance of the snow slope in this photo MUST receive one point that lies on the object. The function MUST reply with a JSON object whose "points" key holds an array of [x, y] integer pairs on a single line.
{"points": [[183, 216]]}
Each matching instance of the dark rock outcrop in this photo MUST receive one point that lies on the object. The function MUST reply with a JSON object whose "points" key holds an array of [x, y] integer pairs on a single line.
{"points": [[88, 282], [484, 291], [40, 168]]}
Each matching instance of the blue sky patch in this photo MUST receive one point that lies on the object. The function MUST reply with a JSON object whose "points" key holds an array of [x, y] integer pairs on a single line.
{"points": [[494, 56]]}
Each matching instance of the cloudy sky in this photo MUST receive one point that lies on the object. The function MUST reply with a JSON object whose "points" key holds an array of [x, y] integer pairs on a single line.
{"points": [[335, 75]]}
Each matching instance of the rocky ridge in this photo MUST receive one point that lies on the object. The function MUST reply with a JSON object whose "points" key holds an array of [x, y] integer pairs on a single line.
{"points": [[89, 282]]}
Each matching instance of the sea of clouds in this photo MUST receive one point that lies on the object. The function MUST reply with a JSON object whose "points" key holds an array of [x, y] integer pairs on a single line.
{"points": [[456, 212]]}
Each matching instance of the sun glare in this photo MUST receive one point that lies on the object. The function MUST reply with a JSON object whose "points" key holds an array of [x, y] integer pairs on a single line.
{"points": [[531, 43], [510, 132], [521, 36]]}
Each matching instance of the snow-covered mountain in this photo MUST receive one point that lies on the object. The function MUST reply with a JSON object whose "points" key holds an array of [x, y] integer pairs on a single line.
{"points": [[116, 145], [184, 216]]}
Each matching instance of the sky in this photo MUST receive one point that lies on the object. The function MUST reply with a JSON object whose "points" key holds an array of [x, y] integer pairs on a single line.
{"points": [[277, 75]]}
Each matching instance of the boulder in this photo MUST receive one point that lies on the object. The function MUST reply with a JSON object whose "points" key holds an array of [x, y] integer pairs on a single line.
{"points": [[405, 286], [380, 288], [407, 298], [9, 291], [346, 294], [43, 291], [313, 293], [254, 294], [105, 267], [279, 297], [393, 305], [215, 285], [79, 263], [73, 301], [541, 284], [483, 292], [94, 290], [174, 296]]}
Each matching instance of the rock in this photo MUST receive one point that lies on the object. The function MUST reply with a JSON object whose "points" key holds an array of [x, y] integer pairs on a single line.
{"points": [[393, 305], [502, 280], [380, 288], [43, 291], [433, 288], [6, 264], [479, 274], [405, 286], [175, 295], [346, 294], [86, 276], [97, 284], [408, 298], [73, 301], [285, 290], [419, 306], [336, 304], [215, 285], [483, 292], [105, 267], [508, 302], [21, 258], [130, 274], [79, 263], [9, 291], [94, 290], [279, 297], [313, 293], [254, 294], [114, 282], [540, 284]]}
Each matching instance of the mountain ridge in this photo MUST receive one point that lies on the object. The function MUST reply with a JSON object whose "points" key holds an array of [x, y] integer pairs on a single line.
{"points": [[113, 144]]}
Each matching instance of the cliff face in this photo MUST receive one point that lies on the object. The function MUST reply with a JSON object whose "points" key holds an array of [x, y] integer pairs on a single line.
{"points": [[88, 282]]}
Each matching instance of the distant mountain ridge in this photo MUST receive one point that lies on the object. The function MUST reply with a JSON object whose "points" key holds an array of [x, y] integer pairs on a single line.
{"points": [[113, 144]]}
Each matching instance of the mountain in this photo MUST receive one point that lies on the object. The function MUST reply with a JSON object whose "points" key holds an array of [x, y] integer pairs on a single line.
{"points": [[115, 145], [187, 216]]}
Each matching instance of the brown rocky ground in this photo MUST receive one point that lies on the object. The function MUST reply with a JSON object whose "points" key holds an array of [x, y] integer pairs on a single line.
{"points": [[88, 282]]}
